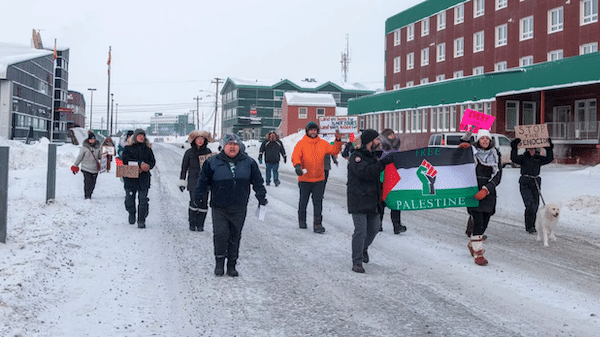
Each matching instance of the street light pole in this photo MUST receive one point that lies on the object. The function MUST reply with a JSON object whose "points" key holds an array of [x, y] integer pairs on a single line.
{"points": [[91, 105], [112, 101]]}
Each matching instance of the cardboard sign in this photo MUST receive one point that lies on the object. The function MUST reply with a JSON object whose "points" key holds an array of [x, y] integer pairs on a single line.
{"points": [[204, 157], [477, 119], [532, 136], [128, 171], [103, 163], [344, 124], [108, 150]]}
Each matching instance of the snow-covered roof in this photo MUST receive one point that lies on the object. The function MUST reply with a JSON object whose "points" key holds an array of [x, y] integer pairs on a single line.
{"points": [[307, 83], [308, 99], [11, 53]]}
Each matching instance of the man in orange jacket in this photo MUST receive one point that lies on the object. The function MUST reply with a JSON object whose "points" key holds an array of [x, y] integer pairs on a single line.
{"points": [[308, 160]]}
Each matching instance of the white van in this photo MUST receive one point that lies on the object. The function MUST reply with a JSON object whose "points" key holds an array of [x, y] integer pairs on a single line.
{"points": [[452, 139]]}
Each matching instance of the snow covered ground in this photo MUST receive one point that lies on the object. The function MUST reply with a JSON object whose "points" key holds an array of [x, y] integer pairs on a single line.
{"points": [[75, 267]]}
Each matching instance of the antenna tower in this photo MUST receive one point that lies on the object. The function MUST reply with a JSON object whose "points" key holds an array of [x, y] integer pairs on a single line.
{"points": [[345, 61]]}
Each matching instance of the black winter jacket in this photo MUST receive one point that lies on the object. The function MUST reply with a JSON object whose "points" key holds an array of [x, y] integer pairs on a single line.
{"points": [[142, 153], [530, 165], [486, 177], [192, 162], [271, 150], [229, 187], [364, 185]]}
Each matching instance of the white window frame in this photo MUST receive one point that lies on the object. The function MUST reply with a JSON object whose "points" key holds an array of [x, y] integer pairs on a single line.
{"points": [[516, 107], [459, 47], [555, 55], [526, 28], [424, 57], [396, 87], [478, 8], [440, 77], [478, 41], [302, 112], [526, 61], [555, 20], [410, 84], [320, 112], [588, 11], [410, 61], [459, 74], [397, 37], [410, 32], [459, 14], [441, 52], [501, 35], [500, 66], [501, 4], [441, 20], [588, 48], [478, 70], [397, 63], [424, 80], [425, 27]]}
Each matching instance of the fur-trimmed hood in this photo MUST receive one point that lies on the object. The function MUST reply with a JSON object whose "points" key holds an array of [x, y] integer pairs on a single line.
{"points": [[133, 139], [199, 133]]}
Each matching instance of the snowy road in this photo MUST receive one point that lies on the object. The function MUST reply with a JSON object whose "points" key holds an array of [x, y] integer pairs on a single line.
{"points": [[98, 276]]}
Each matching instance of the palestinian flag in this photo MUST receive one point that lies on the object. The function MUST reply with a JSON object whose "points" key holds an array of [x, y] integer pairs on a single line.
{"points": [[427, 178]]}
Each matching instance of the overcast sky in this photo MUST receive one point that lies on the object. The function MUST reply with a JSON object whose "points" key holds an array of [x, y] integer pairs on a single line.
{"points": [[165, 52]]}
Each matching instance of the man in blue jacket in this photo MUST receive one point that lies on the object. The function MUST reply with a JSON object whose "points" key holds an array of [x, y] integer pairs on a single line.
{"points": [[229, 175]]}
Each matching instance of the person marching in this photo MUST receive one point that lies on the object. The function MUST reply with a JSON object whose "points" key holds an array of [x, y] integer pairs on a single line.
{"points": [[191, 165], [530, 183], [363, 196], [138, 150], [391, 143], [89, 156], [271, 147], [488, 168], [229, 175], [309, 154], [108, 147]]}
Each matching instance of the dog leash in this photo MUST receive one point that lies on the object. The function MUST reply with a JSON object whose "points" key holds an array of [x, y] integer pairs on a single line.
{"points": [[537, 186]]}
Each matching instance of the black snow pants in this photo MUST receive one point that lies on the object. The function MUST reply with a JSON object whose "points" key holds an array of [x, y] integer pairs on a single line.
{"points": [[531, 198]]}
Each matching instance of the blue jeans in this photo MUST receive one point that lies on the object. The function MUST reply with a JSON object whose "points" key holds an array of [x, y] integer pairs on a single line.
{"points": [[275, 169]]}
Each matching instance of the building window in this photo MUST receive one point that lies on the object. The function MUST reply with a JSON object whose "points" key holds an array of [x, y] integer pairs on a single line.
{"points": [[477, 70], [397, 64], [424, 57], [441, 21], [397, 37], [501, 35], [425, 27], [555, 55], [555, 20], [410, 61], [396, 87], [500, 66], [320, 112], [478, 42], [277, 112], [459, 14], [501, 4], [589, 11], [459, 47], [424, 80], [458, 74], [441, 52], [278, 95], [512, 115], [478, 8], [302, 113], [439, 78], [526, 28], [588, 48], [410, 84], [410, 32], [526, 61]]}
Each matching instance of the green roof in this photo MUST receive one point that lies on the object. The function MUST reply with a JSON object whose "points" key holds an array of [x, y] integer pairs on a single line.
{"points": [[418, 12], [572, 71]]}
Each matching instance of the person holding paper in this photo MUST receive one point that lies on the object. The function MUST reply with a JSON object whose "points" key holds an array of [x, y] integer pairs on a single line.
{"points": [[488, 168], [229, 175], [530, 182], [89, 156], [108, 147], [271, 148]]}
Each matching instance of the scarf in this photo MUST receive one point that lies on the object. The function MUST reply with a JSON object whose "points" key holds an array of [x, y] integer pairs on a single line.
{"points": [[487, 158]]}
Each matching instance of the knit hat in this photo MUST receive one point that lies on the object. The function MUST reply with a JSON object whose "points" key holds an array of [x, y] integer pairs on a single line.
{"points": [[368, 135], [139, 131], [129, 133], [229, 138], [483, 133], [91, 135], [311, 125]]}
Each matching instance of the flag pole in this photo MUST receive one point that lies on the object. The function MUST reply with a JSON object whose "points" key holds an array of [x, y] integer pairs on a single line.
{"points": [[108, 95]]}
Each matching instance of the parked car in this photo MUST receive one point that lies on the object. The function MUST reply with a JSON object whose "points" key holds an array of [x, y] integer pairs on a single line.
{"points": [[452, 139]]}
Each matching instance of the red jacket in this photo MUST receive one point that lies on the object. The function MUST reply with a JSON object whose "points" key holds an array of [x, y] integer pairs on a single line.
{"points": [[310, 154]]}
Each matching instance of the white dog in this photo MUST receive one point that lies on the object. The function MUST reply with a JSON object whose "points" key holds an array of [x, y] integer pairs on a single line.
{"points": [[546, 222]]}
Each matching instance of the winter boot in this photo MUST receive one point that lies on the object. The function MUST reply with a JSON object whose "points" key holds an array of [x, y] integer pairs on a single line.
{"points": [[358, 268], [131, 218], [200, 218], [192, 215], [365, 256], [142, 214], [302, 220], [231, 268], [476, 249], [470, 225], [399, 228], [317, 226], [220, 266]]}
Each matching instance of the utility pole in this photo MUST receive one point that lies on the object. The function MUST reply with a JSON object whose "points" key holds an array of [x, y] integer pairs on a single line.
{"points": [[197, 98], [217, 80], [112, 101], [91, 105], [108, 93], [116, 117]]}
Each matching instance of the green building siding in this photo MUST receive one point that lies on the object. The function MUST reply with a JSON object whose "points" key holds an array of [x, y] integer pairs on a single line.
{"points": [[418, 12]]}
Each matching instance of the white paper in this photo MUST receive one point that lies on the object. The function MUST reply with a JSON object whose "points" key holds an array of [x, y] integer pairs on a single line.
{"points": [[261, 211]]}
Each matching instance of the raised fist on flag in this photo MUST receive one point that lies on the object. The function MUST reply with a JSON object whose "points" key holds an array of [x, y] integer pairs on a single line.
{"points": [[427, 173]]}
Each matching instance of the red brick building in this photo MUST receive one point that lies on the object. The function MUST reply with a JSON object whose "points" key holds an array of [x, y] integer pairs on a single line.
{"points": [[301, 108]]}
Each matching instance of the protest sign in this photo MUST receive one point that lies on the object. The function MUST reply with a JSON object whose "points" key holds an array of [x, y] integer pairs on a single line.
{"points": [[533, 135], [344, 124], [477, 119]]}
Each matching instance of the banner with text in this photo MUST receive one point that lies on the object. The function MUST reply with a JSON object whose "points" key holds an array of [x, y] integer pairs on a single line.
{"points": [[534, 135], [344, 124], [477, 119]]}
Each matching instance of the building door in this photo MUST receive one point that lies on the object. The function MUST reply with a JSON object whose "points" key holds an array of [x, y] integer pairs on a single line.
{"points": [[561, 117], [586, 119], [528, 113]]}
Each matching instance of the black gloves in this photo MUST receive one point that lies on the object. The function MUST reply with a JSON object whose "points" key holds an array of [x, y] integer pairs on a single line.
{"points": [[389, 159], [551, 144], [516, 142], [262, 201], [182, 188], [284, 159], [298, 170], [260, 158]]}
